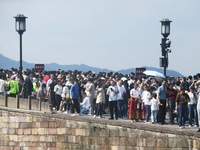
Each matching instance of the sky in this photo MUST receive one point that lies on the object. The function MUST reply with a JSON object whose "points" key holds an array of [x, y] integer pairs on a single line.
{"points": [[111, 34]]}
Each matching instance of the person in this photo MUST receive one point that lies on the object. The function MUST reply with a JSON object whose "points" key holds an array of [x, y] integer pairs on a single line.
{"points": [[112, 91], [198, 108], [145, 97], [135, 103], [65, 97], [171, 96], [192, 107], [90, 91], [14, 87], [46, 77], [154, 108], [51, 94], [161, 96], [100, 101], [84, 106], [2, 85], [35, 87], [40, 80], [50, 81], [126, 98], [182, 100], [120, 99], [27, 86], [58, 92], [74, 95], [41, 92]]}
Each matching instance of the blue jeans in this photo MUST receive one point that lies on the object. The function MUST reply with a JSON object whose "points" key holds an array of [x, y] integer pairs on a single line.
{"points": [[91, 109], [84, 110], [192, 109], [148, 112], [2, 93], [154, 115], [125, 111], [120, 105], [182, 115], [171, 108]]}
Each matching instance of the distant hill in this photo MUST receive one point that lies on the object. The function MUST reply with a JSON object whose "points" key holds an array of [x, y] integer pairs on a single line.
{"points": [[7, 63]]}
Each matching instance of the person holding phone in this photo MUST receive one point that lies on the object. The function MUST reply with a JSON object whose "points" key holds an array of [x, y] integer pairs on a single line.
{"points": [[112, 92]]}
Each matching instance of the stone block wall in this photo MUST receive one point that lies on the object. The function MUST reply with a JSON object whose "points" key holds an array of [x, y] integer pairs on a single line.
{"points": [[26, 130]]}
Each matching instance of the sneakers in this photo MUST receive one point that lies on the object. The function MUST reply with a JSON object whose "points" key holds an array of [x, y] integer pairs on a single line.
{"points": [[94, 116], [59, 111], [65, 112], [182, 127], [191, 126], [133, 120]]}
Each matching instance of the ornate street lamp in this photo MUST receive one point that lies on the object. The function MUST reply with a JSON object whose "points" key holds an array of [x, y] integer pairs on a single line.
{"points": [[165, 44], [165, 27], [20, 27]]}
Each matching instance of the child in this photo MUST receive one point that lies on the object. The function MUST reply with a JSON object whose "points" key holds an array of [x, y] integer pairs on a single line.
{"points": [[154, 108]]}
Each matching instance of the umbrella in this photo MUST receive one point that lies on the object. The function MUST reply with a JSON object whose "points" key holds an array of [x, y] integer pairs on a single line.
{"points": [[154, 73]]}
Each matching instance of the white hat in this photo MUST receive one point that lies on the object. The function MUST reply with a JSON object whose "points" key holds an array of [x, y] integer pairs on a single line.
{"points": [[68, 83], [34, 79]]}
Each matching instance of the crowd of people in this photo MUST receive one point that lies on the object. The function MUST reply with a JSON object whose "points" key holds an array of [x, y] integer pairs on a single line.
{"points": [[143, 98]]}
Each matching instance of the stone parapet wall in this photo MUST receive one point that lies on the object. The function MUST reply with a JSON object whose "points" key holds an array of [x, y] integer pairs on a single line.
{"points": [[26, 130], [26, 104]]}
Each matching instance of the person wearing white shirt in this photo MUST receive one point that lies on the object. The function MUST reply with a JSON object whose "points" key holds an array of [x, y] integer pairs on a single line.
{"points": [[192, 107], [65, 98], [85, 104], [154, 108], [90, 91], [2, 86], [198, 108], [135, 104], [112, 91], [58, 92], [100, 100], [146, 96], [49, 82], [120, 97]]}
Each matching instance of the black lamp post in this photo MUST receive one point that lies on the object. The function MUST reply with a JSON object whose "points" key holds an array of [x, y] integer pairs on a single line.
{"points": [[20, 27], [165, 31]]}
